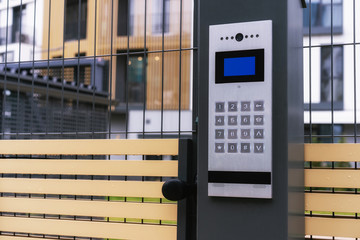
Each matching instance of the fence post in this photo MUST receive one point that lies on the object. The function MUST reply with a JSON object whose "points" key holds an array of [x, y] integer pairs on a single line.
{"points": [[282, 216]]}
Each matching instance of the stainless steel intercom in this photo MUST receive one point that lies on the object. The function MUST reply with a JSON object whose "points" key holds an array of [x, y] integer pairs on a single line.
{"points": [[240, 110]]}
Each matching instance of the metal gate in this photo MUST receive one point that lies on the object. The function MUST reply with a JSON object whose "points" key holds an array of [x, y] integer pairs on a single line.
{"points": [[93, 69]]}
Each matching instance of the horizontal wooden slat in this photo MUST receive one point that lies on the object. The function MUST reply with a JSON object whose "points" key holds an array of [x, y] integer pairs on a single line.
{"points": [[90, 167], [331, 202], [89, 208], [330, 152], [332, 178], [82, 187], [91, 147], [332, 227], [88, 228], [5, 237]]}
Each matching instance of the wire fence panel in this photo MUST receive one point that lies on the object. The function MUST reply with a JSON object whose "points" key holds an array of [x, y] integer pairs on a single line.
{"points": [[94, 69], [331, 75]]}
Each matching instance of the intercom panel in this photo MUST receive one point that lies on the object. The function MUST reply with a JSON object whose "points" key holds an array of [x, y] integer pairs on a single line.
{"points": [[240, 110]]}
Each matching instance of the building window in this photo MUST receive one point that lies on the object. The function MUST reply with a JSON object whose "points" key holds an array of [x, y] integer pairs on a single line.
{"points": [[158, 16], [320, 21], [337, 76], [72, 19], [329, 81], [124, 20], [130, 87]]}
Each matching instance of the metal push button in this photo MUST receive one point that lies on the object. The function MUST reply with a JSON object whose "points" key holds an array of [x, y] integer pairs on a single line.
{"points": [[245, 133], [258, 133], [245, 147], [259, 120], [245, 106], [219, 147], [219, 133], [245, 120], [220, 107], [232, 120], [258, 147], [232, 147], [219, 120], [232, 134], [232, 106], [258, 105]]}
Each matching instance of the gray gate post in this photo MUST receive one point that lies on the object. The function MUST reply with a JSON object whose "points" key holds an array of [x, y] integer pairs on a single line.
{"points": [[281, 217]]}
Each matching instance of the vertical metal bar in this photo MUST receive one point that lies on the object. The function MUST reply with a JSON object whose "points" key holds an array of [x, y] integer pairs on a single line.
{"points": [[310, 80], [127, 74], [94, 75], [33, 74], [310, 87], [162, 69], [332, 70], [354, 41], [63, 71], [111, 62], [144, 70], [332, 85], [5, 75], [78, 69], [19, 72], [355, 98], [180, 65], [48, 71], [127, 79], [196, 74]]}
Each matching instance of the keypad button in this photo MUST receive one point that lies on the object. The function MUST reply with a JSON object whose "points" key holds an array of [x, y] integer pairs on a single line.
{"points": [[245, 120], [232, 134], [258, 105], [258, 133], [232, 120], [220, 107], [258, 147], [259, 120], [232, 147], [245, 106], [232, 106], [245, 147], [219, 147], [219, 133], [245, 133], [219, 120]]}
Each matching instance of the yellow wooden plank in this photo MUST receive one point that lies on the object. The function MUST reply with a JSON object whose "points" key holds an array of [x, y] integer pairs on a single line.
{"points": [[330, 152], [82, 187], [88, 228], [159, 211], [331, 202], [332, 178], [337, 227], [5, 237], [91, 147], [90, 167]]}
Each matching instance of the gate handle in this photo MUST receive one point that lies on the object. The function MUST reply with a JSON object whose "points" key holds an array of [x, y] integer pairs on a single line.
{"points": [[176, 189]]}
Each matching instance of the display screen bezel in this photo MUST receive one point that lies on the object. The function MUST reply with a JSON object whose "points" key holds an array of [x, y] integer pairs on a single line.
{"points": [[259, 66]]}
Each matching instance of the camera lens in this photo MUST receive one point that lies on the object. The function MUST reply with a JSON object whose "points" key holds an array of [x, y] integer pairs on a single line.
{"points": [[239, 37]]}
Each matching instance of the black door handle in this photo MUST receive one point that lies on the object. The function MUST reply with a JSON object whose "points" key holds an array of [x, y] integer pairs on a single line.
{"points": [[176, 189]]}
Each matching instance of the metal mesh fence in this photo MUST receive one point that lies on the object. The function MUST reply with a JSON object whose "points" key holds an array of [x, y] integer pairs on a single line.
{"points": [[331, 57], [95, 69]]}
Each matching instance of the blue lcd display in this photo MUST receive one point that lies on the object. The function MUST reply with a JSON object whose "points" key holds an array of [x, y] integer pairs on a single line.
{"points": [[240, 66]]}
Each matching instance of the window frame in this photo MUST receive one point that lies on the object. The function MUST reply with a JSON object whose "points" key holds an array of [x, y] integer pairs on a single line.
{"points": [[322, 30]]}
